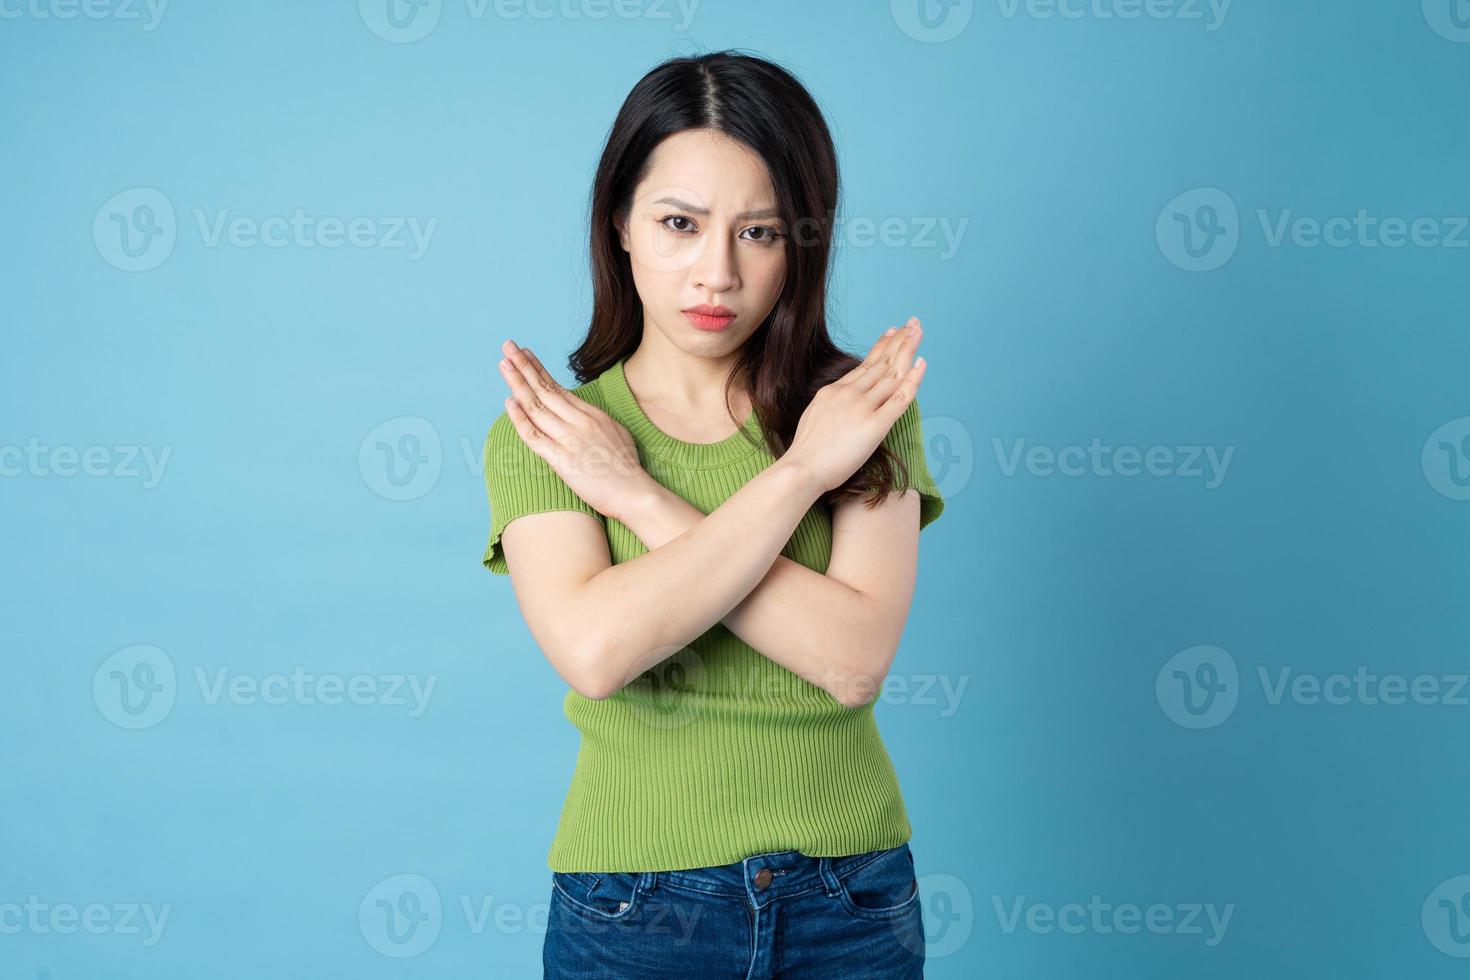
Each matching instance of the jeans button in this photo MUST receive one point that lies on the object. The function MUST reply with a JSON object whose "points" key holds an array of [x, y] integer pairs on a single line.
{"points": [[763, 877]]}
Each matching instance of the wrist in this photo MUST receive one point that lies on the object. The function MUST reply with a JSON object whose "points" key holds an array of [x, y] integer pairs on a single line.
{"points": [[801, 479], [643, 500]]}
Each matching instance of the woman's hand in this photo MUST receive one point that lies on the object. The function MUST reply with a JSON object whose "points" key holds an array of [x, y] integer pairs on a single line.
{"points": [[591, 451], [848, 419]]}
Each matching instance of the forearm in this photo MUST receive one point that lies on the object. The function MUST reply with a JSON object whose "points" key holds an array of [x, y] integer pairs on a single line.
{"points": [[647, 609], [813, 625]]}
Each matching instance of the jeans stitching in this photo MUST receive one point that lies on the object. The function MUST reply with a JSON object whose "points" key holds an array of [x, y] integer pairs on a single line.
{"points": [[600, 913], [887, 912]]}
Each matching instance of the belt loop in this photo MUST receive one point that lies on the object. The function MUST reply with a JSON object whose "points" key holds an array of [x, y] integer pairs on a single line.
{"points": [[829, 880], [648, 882]]}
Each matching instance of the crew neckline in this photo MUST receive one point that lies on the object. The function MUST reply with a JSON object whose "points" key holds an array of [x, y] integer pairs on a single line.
{"points": [[659, 443]]}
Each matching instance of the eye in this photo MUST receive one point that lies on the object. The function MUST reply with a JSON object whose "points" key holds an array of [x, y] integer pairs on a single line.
{"points": [[770, 237], [675, 217]]}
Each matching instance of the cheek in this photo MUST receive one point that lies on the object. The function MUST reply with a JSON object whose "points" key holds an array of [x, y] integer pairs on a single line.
{"points": [[767, 276], [653, 282], [656, 250]]}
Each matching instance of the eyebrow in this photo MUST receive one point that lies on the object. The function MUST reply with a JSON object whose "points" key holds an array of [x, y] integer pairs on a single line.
{"points": [[686, 206]]}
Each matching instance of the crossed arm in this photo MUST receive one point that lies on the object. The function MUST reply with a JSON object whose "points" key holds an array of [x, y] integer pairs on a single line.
{"points": [[838, 630], [602, 624]]}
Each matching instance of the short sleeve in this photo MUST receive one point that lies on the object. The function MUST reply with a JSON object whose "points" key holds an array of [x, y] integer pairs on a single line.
{"points": [[519, 482], [906, 441]]}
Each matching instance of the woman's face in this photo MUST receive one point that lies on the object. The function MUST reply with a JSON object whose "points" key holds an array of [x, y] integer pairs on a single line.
{"points": [[702, 231]]}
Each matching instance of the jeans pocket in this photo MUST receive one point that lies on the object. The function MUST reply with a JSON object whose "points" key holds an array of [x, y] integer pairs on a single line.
{"points": [[602, 894], [883, 888]]}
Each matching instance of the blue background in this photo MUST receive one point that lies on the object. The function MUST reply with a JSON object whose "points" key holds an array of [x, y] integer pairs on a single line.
{"points": [[280, 536]]}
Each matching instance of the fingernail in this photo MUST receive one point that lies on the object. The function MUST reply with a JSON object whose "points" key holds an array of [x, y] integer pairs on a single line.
{"points": [[890, 331]]}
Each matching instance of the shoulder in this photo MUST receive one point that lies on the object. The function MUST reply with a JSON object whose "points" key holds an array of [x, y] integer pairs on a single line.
{"points": [[908, 431], [906, 441]]}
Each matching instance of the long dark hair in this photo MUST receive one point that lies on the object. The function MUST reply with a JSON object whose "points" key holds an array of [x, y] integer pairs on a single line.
{"points": [[790, 356]]}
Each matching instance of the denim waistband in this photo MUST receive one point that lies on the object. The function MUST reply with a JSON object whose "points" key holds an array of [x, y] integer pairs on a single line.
{"points": [[790, 873]]}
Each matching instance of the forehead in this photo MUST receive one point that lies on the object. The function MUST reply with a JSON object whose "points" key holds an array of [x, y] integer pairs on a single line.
{"points": [[721, 172]]}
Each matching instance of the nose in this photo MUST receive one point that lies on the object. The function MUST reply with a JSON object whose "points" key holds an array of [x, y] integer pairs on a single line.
{"points": [[716, 270]]}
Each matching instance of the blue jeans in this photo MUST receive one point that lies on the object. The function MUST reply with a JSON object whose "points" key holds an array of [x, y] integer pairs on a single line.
{"points": [[775, 915]]}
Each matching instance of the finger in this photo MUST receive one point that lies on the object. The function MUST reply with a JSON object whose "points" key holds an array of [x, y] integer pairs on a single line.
{"points": [[550, 383], [860, 369], [893, 363], [539, 442], [548, 409], [904, 392]]}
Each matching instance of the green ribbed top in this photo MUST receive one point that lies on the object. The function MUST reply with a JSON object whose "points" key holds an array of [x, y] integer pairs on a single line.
{"points": [[717, 753]]}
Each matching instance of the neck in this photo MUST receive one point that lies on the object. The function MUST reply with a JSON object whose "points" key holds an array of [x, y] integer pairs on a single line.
{"points": [[681, 383]]}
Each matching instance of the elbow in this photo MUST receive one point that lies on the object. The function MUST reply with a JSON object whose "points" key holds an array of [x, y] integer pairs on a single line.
{"points": [[590, 690], [590, 677], [860, 687]]}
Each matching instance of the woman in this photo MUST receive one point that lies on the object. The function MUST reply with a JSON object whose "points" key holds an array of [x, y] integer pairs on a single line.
{"points": [[713, 541]]}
